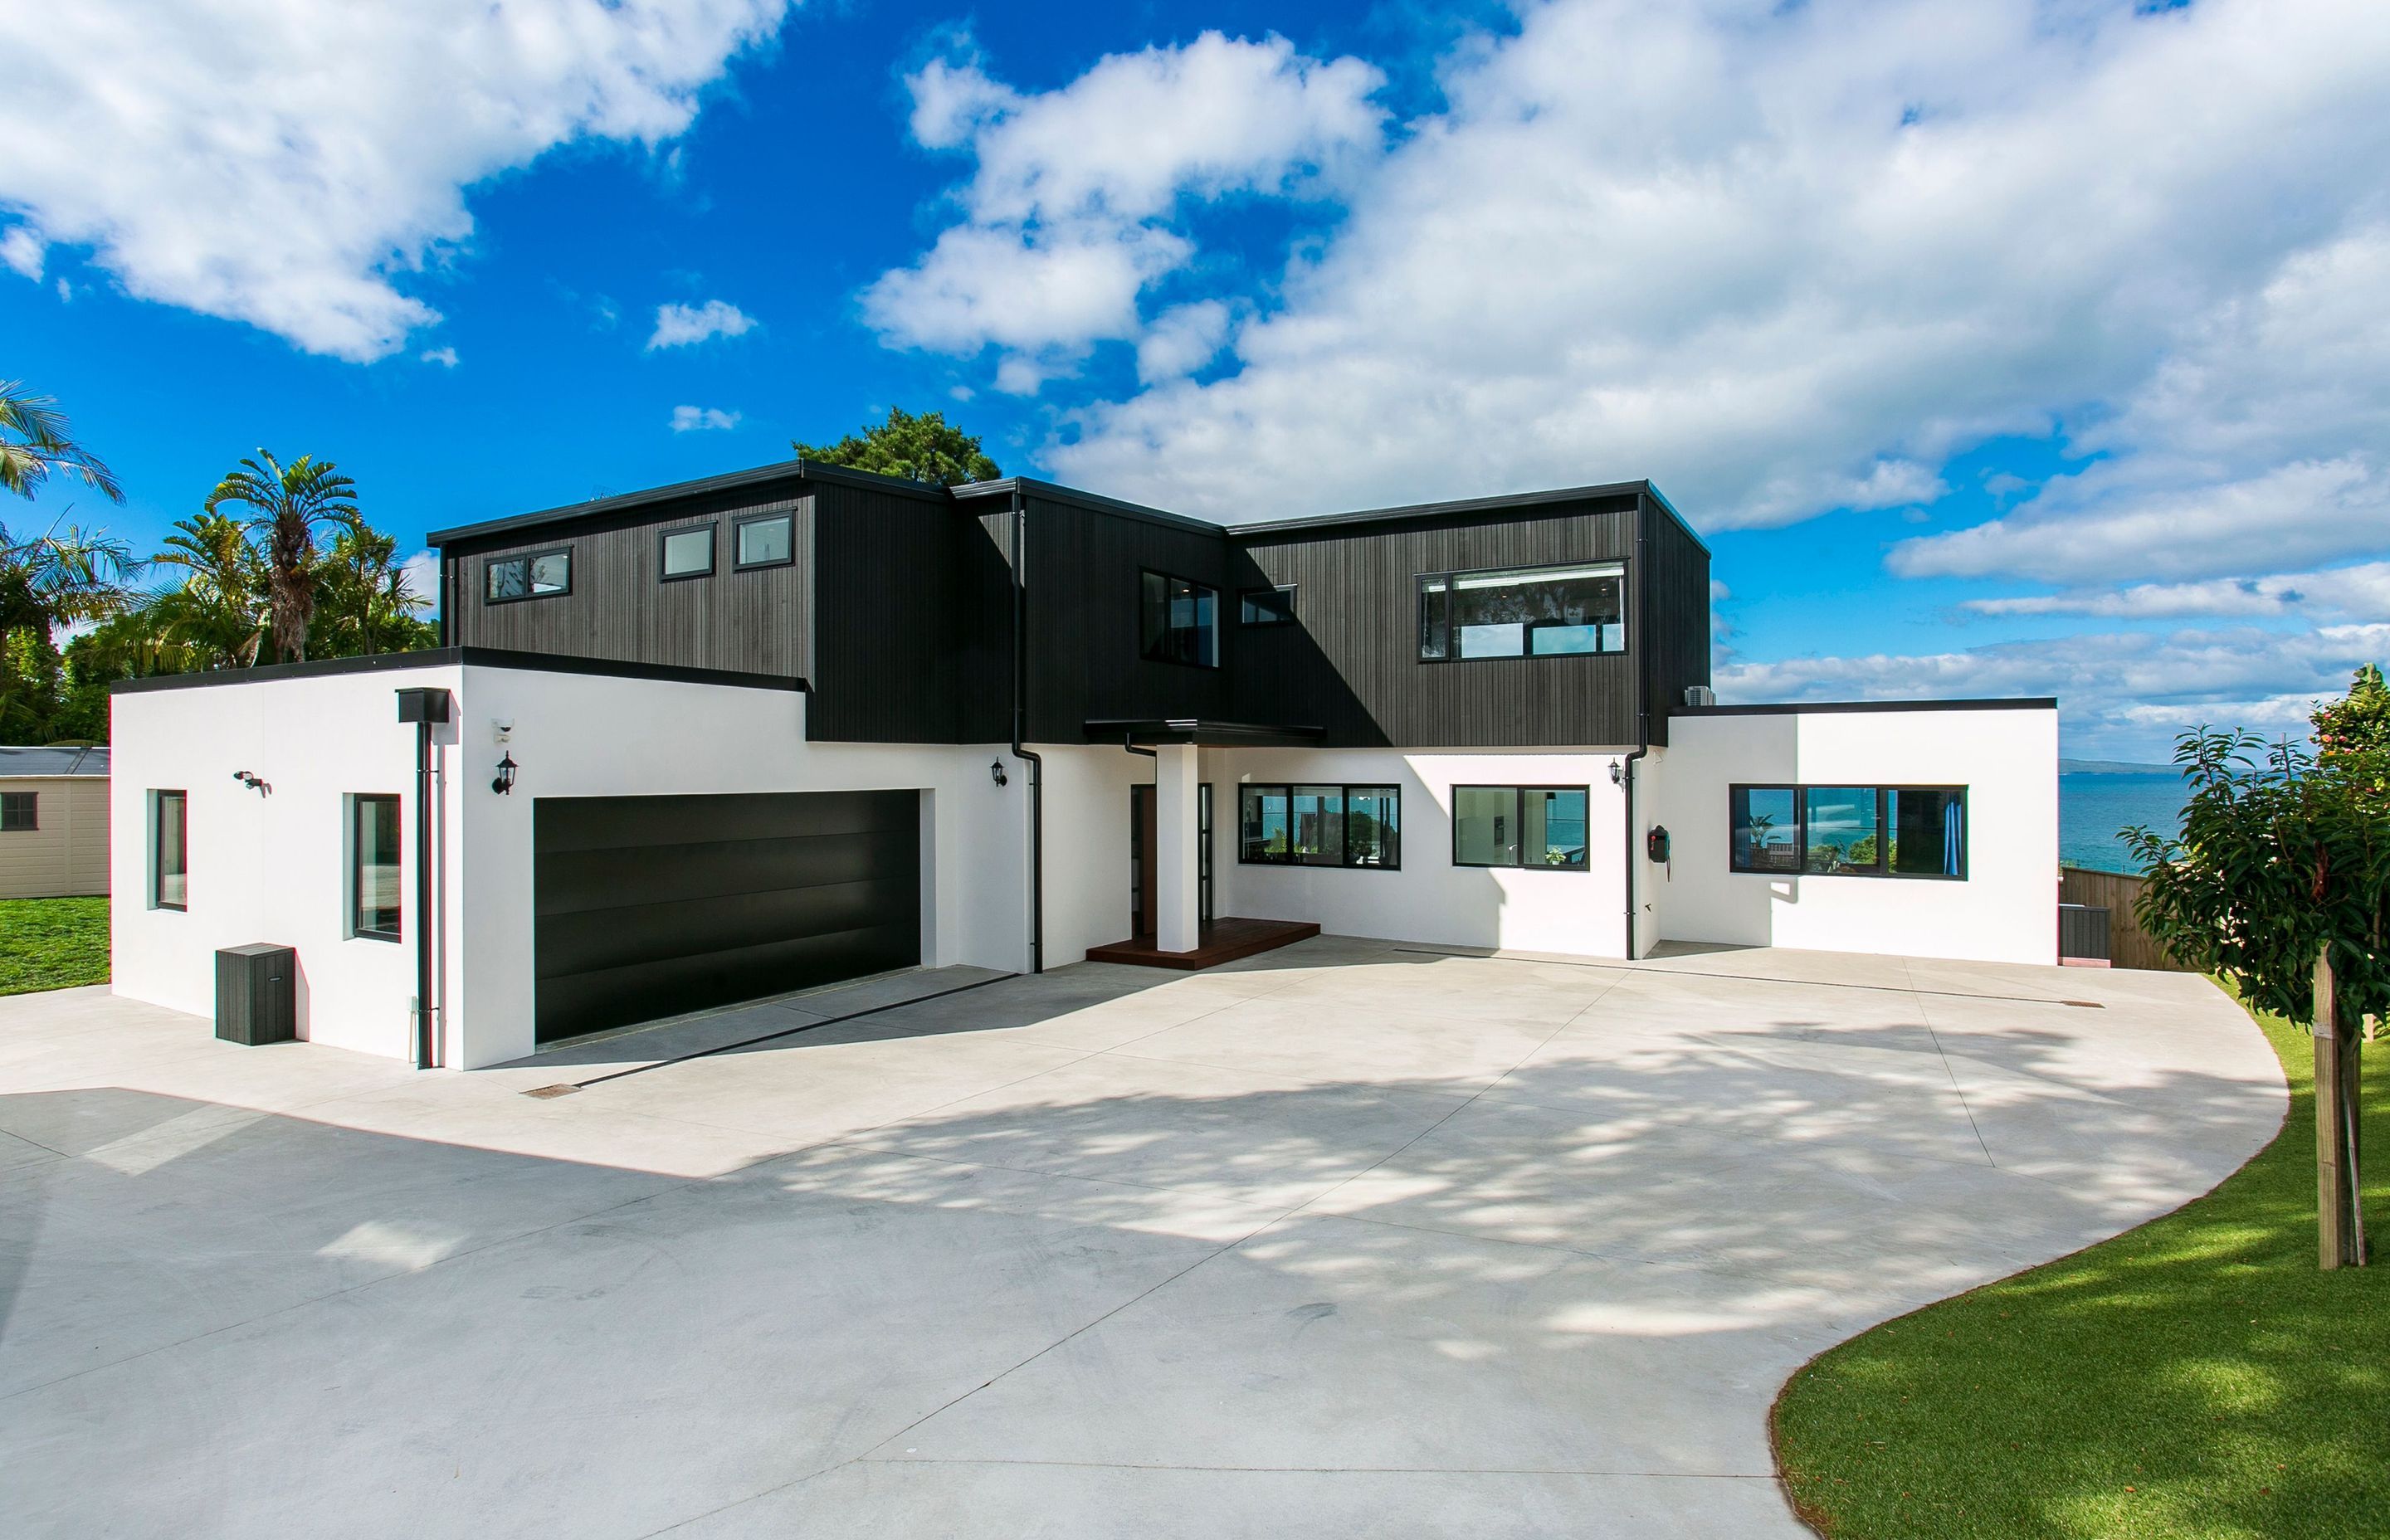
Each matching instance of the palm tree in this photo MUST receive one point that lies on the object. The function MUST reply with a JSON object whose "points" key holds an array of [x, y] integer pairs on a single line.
{"points": [[218, 609], [52, 579], [290, 502], [365, 596], [34, 442]]}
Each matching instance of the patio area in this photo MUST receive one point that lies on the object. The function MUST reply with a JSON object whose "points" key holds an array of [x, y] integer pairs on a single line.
{"points": [[1347, 1237]]}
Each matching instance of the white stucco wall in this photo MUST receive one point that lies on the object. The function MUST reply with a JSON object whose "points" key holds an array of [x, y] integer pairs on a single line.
{"points": [[1430, 899], [273, 868], [2004, 910]]}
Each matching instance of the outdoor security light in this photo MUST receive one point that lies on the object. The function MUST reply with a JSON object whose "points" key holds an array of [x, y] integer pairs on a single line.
{"points": [[261, 787], [505, 781], [995, 772]]}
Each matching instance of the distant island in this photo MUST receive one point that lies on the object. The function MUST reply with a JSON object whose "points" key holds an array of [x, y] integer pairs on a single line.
{"points": [[2111, 767]]}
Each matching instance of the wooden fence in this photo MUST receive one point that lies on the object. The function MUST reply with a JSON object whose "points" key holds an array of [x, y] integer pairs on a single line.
{"points": [[2129, 945]]}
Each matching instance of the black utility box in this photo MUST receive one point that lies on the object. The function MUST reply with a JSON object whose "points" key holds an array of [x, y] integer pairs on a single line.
{"points": [[257, 993], [2083, 932]]}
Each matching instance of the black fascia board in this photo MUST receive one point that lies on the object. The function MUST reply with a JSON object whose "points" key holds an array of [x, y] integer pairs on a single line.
{"points": [[469, 656], [1451, 509], [1093, 502], [1200, 731], [598, 507], [1822, 708]]}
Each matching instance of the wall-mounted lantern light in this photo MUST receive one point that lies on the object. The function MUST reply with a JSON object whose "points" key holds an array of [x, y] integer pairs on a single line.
{"points": [[261, 787], [505, 781], [995, 772], [1618, 773]]}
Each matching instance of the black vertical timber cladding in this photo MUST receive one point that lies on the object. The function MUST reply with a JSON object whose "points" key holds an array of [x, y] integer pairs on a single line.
{"points": [[889, 617], [1674, 632], [649, 906], [1351, 664], [985, 586]]}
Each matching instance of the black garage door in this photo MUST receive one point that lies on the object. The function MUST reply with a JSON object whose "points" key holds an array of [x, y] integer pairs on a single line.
{"points": [[649, 906]]}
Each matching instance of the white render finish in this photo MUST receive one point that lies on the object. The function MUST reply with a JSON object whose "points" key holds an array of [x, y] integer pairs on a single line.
{"points": [[273, 868], [1430, 899], [2005, 910], [1178, 901]]}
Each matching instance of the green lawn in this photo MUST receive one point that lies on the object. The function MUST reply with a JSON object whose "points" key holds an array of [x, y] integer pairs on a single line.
{"points": [[2195, 1377], [52, 943]]}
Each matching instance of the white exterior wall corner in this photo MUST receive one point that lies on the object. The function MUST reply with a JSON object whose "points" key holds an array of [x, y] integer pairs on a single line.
{"points": [[273, 869], [2003, 911], [1086, 866], [1431, 900]]}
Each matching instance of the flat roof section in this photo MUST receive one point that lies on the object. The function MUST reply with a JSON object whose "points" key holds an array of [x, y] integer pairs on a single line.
{"points": [[1819, 708]]}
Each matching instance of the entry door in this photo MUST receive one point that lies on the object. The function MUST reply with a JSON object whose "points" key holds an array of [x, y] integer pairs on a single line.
{"points": [[1143, 897], [649, 906]]}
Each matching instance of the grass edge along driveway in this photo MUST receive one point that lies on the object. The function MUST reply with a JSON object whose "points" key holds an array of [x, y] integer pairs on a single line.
{"points": [[2196, 1377], [52, 943]]}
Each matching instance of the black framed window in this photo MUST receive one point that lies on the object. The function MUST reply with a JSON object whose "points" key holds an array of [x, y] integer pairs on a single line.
{"points": [[373, 865], [1320, 826], [1912, 831], [765, 540], [686, 552], [168, 850], [1267, 606], [1540, 827], [1178, 620], [531, 575], [20, 811], [1523, 613]]}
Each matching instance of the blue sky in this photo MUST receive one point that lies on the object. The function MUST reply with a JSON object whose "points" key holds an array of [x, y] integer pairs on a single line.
{"points": [[1998, 348]]}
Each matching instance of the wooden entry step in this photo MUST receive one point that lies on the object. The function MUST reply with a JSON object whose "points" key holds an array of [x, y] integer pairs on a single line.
{"points": [[1220, 941]]}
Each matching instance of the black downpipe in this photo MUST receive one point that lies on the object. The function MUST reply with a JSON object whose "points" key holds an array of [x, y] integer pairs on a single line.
{"points": [[423, 707], [1021, 730], [1642, 725]]}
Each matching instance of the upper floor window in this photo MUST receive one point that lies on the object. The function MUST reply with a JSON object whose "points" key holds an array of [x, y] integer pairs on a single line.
{"points": [[766, 540], [1267, 606], [168, 850], [533, 575], [1178, 620], [19, 812], [1523, 613], [1848, 830], [689, 553]]}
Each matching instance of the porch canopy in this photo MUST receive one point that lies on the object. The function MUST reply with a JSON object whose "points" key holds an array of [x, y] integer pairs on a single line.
{"points": [[1201, 733]]}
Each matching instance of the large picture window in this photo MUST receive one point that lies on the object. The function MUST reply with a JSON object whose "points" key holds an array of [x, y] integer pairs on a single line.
{"points": [[533, 575], [1523, 613], [373, 866], [1540, 827], [1848, 830], [169, 851], [1178, 620], [1320, 826]]}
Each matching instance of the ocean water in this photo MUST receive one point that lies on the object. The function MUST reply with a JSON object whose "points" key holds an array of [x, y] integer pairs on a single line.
{"points": [[2093, 806]]}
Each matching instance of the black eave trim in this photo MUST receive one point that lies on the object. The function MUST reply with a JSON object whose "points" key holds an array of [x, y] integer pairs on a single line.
{"points": [[1446, 509], [784, 470], [1793, 707], [470, 657]]}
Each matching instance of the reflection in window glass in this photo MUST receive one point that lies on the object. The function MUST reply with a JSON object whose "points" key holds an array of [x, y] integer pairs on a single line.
{"points": [[527, 577], [689, 553], [1526, 612], [766, 542], [170, 858], [1484, 825], [1839, 823], [1929, 832], [1765, 835], [1265, 606], [1373, 835], [1261, 823], [1552, 830], [1319, 826], [1178, 621], [374, 865]]}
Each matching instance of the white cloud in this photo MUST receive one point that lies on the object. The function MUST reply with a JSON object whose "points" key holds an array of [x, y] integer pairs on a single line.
{"points": [[1182, 341], [2126, 693], [680, 326], [419, 575], [20, 251], [1068, 215], [698, 420], [1787, 259], [445, 358], [2361, 591], [288, 164]]}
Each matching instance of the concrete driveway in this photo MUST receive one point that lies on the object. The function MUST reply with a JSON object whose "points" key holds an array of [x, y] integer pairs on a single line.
{"points": [[1351, 1239]]}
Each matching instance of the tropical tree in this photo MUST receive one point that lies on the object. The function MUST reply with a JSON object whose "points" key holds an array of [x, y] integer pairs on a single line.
{"points": [[218, 610], [35, 443], [363, 604], [290, 503], [2281, 884], [54, 579], [923, 448]]}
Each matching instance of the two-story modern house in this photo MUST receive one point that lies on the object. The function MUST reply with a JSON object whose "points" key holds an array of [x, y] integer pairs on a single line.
{"points": [[746, 735]]}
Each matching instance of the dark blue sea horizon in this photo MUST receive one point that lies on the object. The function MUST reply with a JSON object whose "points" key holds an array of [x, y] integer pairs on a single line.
{"points": [[2093, 806]]}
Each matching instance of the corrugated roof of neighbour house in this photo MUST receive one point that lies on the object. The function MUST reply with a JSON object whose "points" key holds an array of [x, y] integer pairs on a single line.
{"points": [[60, 760]]}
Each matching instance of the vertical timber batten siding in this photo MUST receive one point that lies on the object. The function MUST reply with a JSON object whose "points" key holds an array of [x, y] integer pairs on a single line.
{"points": [[1675, 632], [889, 613], [1351, 664]]}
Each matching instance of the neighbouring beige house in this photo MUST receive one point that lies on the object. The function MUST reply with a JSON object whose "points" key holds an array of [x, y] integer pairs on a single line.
{"points": [[53, 822]]}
